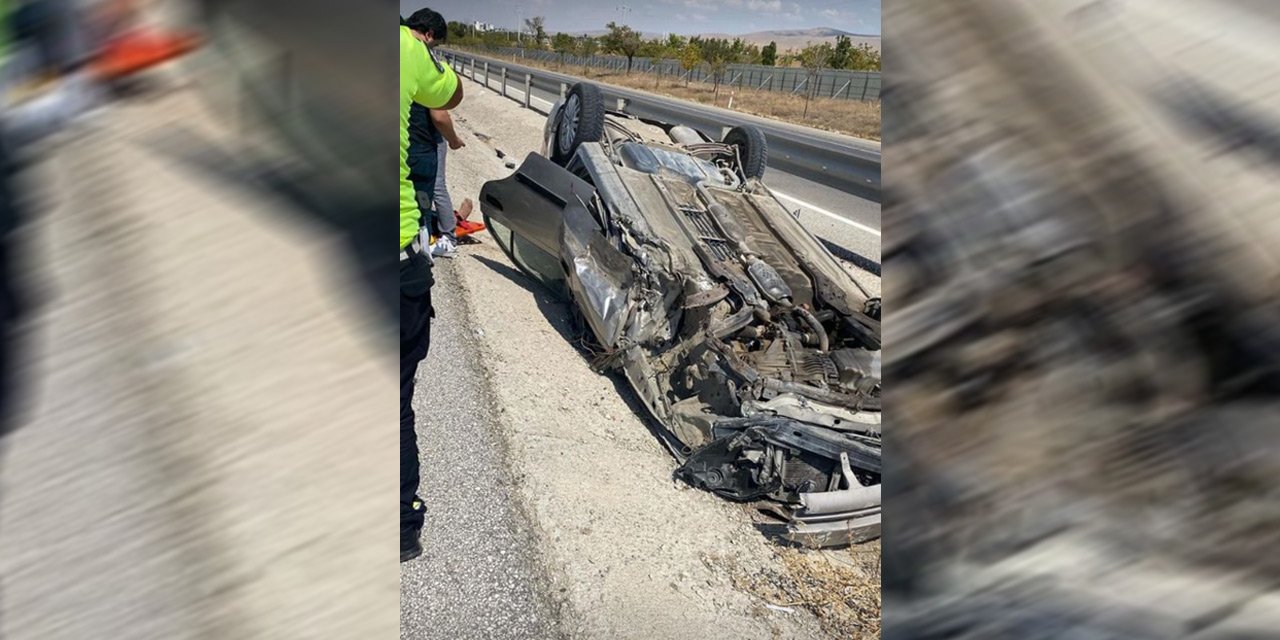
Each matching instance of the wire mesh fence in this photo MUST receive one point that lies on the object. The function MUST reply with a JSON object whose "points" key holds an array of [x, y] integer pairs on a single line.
{"points": [[829, 83]]}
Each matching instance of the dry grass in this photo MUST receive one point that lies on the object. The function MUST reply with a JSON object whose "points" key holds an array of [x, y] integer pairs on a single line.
{"points": [[841, 588], [850, 117]]}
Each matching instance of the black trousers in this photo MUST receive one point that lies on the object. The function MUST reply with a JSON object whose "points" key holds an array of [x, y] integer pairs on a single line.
{"points": [[12, 302], [415, 339]]}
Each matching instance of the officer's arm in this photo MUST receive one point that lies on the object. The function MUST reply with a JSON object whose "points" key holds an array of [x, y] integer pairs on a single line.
{"points": [[443, 91], [444, 124], [455, 100]]}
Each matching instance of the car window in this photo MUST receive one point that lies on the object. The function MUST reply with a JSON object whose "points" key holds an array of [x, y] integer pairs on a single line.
{"points": [[536, 263]]}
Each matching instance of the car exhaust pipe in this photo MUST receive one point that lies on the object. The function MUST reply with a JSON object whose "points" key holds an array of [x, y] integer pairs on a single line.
{"points": [[849, 500], [681, 134]]}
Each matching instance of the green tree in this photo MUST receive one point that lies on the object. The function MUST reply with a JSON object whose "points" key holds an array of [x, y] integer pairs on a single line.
{"points": [[562, 43], [587, 47], [814, 58], [661, 50], [864, 58], [769, 54], [458, 32], [623, 40], [495, 39], [690, 58], [842, 54], [719, 54], [652, 48], [537, 27]]}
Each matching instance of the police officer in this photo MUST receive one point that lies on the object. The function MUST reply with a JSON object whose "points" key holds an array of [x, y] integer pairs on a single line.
{"points": [[425, 81], [431, 135], [53, 29]]}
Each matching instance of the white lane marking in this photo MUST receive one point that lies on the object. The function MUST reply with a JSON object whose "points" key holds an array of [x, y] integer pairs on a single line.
{"points": [[833, 216]]}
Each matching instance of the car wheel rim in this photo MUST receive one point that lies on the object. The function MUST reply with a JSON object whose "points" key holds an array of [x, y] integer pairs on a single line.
{"points": [[568, 123]]}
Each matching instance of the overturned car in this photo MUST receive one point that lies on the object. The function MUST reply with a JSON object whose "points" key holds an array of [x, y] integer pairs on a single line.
{"points": [[746, 340]]}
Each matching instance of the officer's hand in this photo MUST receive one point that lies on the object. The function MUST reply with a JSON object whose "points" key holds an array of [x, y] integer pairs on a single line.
{"points": [[456, 144]]}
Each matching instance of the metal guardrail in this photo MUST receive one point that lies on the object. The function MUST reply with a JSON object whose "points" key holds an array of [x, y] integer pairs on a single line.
{"points": [[838, 161], [838, 84]]}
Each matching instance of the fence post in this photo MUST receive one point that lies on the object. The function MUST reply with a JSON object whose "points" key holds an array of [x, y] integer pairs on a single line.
{"points": [[563, 89], [473, 68], [528, 88], [866, 80], [486, 74], [504, 82], [842, 88]]}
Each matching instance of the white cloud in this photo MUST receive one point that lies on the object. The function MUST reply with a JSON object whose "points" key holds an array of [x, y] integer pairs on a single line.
{"points": [[831, 13], [765, 6], [757, 6], [768, 6]]}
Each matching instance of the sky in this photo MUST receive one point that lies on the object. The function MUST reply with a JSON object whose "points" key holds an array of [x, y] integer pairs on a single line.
{"points": [[666, 16]]}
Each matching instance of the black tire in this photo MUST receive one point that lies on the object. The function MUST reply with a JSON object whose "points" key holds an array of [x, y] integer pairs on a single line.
{"points": [[753, 149], [581, 119]]}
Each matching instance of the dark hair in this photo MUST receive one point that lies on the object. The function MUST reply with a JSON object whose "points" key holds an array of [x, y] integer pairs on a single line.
{"points": [[428, 22]]}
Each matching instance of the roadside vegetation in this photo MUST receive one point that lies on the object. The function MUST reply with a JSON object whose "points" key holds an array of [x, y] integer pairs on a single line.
{"points": [[850, 117], [841, 587]]}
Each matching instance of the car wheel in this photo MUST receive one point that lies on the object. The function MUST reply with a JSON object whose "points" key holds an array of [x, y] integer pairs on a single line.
{"points": [[753, 149], [581, 120]]}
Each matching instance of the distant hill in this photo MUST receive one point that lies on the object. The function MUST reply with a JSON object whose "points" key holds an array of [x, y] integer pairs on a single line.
{"points": [[787, 39]]}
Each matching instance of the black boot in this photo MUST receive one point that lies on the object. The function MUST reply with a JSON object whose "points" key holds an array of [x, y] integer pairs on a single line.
{"points": [[410, 547]]}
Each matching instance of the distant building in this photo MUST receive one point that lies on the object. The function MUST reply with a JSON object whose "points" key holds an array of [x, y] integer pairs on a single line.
{"points": [[483, 26]]}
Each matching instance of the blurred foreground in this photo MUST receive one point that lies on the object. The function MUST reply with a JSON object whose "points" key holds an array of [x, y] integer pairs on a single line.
{"points": [[205, 442], [1084, 319]]}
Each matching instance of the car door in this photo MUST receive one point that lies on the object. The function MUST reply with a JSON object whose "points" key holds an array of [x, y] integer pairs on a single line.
{"points": [[525, 213], [540, 217]]}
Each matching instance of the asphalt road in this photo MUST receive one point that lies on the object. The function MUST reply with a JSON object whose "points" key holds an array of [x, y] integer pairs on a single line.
{"points": [[480, 575]]}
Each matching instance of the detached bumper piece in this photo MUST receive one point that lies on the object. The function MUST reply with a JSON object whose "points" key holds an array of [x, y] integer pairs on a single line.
{"points": [[748, 463]]}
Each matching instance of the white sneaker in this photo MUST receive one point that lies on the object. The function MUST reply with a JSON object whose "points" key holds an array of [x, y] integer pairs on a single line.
{"points": [[444, 247]]}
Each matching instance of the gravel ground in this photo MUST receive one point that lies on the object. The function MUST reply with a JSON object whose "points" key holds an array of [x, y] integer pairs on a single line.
{"points": [[629, 552]]}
